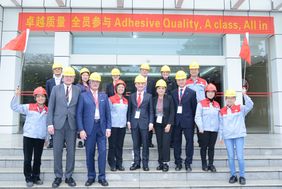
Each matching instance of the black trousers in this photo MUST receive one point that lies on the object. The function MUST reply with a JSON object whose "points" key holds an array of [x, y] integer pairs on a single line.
{"points": [[140, 136], [207, 142], [116, 147], [32, 147], [163, 140], [189, 146]]}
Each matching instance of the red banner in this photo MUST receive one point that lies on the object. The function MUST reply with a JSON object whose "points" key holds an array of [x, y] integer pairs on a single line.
{"points": [[112, 22]]}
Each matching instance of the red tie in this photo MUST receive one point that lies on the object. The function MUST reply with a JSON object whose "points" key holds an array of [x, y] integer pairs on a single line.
{"points": [[139, 100]]}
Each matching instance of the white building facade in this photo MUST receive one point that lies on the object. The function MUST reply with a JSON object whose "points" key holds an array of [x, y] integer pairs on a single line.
{"points": [[217, 53]]}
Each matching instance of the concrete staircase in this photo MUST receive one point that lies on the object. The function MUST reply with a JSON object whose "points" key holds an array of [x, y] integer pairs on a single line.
{"points": [[263, 170]]}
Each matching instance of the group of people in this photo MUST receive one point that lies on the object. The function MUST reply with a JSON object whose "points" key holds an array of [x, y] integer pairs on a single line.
{"points": [[169, 107]]}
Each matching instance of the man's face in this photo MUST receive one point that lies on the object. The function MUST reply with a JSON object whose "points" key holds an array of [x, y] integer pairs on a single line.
{"points": [[181, 82], [165, 75], [94, 85], [194, 72], [144, 72], [68, 80], [57, 71], [115, 77], [140, 86]]}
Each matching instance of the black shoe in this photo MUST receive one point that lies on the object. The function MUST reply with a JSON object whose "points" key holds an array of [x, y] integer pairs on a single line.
{"points": [[205, 168], [113, 169], [103, 182], [165, 168], [70, 181], [50, 145], [160, 167], [146, 168], [89, 182], [233, 179], [134, 167], [188, 168], [212, 168], [178, 167], [242, 180], [80, 144], [120, 168], [56, 183], [151, 145]]}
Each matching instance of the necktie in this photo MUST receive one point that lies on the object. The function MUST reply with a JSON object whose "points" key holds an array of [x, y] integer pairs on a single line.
{"points": [[67, 94], [96, 100], [139, 100], [181, 93]]}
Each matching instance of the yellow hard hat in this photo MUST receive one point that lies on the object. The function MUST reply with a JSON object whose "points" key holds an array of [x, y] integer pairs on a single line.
{"points": [[161, 83], [180, 75], [57, 65], [230, 93], [145, 66], [84, 70], [194, 65], [139, 79], [95, 77], [115, 71], [165, 68], [68, 71]]}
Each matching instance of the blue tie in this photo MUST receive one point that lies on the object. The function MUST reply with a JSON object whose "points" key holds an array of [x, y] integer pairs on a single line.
{"points": [[181, 92]]}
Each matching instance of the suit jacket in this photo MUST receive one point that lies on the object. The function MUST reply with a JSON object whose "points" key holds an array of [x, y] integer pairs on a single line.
{"points": [[146, 111], [189, 105], [85, 112], [110, 89], [168, 110], [59, 110], [50, 83], [171, 85]]}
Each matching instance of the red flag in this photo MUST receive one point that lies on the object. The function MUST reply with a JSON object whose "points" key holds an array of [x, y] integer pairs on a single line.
{"points": [[245, 52], [19, 43]]}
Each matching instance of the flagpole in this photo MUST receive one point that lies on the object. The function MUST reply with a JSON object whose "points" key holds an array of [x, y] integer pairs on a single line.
{"points": [[245, 70]]}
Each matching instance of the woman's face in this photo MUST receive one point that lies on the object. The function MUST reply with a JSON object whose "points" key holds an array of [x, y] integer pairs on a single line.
{"points": [[161, 91], [40, 99], [230, 101], [120, 89], [85, 77], [210, 94]]}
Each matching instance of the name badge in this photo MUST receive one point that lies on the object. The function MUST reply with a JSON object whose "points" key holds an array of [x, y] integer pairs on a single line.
{"points": [[159, 119], [137, 114], [97, 114], [179, 109]]}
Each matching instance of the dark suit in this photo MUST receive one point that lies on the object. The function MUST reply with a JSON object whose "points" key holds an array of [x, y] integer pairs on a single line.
{"points": [[62, 116], [171, 85], [163, 138], [184, 123], [50, 83], [95, 130], [140, 127], [110, 90]]}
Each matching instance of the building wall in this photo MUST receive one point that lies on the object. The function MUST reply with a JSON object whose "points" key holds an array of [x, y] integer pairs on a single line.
{"points": [[10, 68]]}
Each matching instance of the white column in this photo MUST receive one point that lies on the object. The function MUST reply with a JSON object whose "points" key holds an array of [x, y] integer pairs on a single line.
{"points": [[62, 48], [10, 73], [275, 74], [233, 68]]}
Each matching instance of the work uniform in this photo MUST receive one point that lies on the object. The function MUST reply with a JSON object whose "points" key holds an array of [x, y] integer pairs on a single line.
{"points": [[233, 131], [207, 120]]}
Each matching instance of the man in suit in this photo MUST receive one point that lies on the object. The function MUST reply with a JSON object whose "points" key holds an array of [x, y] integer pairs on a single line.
{"points": [[61, 123], [50, 83], [110, 88], [140, 121], [185, 105], [94, 125], [149, 88]]}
